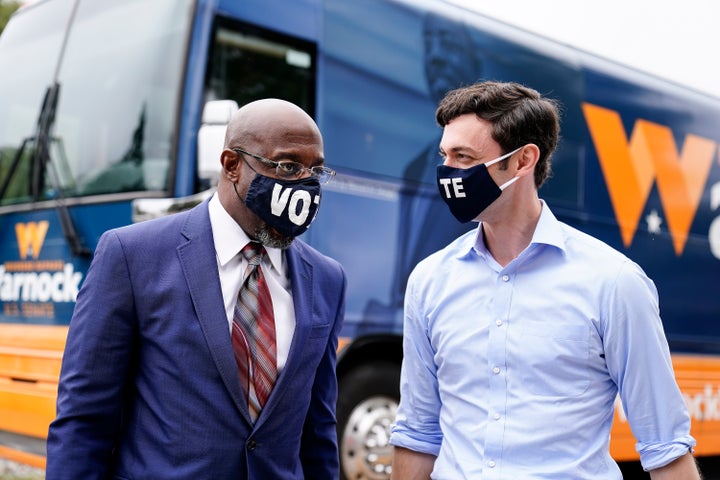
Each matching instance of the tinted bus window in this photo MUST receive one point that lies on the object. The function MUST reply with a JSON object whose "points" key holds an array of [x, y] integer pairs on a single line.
{"points": [[247, 64]]}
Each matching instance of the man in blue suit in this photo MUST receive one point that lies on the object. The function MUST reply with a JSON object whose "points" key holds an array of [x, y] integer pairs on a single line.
{"points": [[150, 385]]}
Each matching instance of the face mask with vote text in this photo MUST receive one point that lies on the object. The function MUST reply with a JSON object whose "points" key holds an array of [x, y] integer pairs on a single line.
{"points": [[469, 191], [288, 206]]}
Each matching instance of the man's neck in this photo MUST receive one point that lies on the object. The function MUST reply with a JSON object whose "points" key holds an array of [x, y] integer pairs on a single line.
{"points": [[507, 237]]}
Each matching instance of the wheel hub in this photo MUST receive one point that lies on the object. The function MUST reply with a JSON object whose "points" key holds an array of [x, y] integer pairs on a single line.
{"points": [[365, 449]]}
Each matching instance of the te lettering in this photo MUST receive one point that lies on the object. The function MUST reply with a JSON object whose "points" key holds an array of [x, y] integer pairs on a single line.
{"points": [[453, 187]]}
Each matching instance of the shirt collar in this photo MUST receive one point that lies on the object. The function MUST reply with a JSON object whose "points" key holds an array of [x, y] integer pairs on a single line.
{"points": [[229, 238], [548, 231]]}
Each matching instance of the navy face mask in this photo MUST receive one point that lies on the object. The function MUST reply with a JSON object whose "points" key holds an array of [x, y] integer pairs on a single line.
{"points": [[469, 191], [288, 206]]}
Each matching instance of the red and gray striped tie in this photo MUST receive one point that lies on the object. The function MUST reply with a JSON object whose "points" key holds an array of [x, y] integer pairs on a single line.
{"points": [[253, 332]]}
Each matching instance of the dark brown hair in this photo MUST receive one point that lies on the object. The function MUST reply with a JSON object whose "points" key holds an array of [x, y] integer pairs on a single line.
{"points": [[519, 115]]}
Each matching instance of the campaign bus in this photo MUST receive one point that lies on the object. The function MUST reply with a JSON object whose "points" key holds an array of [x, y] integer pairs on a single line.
{"points": [[114, 112]]}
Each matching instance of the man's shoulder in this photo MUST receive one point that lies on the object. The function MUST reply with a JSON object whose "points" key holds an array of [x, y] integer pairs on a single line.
{"points": [[582, 243], [157, 230], [598, 258], [315, 257], [438, 261], [195, 217], [457, 248]]}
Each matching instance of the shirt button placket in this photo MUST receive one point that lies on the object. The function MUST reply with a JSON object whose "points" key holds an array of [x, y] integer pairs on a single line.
{"points": [[498, 383]]}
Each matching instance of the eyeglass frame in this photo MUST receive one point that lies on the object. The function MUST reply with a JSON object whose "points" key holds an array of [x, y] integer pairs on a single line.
{"points": [[325, 175]]}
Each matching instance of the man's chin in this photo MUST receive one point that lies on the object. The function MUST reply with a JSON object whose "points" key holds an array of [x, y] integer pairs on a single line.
{"points": [[270, 237]]}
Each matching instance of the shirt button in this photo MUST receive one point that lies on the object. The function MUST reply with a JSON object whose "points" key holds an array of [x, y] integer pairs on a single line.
{"points": [[491, 464], [498, 322], [496, 370], [505, 278], [496, 416]]}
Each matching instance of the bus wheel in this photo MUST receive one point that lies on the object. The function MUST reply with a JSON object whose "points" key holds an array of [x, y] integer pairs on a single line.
{"points": [[367, 402]]}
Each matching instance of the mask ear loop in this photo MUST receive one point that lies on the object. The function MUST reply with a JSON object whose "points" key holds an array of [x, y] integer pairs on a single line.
{"points": [[500, 159], [508, 183]]}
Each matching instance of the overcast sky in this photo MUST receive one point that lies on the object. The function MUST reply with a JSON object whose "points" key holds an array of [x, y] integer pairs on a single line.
{"points": [[674, 39]]}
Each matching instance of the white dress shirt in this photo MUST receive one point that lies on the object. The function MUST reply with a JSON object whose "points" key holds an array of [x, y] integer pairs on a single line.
{"points": [[229, 240]]}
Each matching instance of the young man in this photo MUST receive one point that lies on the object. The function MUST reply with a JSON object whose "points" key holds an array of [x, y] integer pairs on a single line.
{"points": [[519, 335], [203, 343]]}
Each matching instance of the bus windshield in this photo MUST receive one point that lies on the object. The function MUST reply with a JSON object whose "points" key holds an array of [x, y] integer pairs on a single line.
{"points": [[95, 85]]}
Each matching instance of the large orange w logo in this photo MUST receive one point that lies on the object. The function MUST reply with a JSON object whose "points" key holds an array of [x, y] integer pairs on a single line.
{"points": [[30, 237], [631, 167]]}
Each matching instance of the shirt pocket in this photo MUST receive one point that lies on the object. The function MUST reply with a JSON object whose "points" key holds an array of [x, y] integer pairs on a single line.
{"points": [[554, 360]]}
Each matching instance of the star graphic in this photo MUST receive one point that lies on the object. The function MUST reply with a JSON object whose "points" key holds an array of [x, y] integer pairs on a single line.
{"points": [[653, 221]]}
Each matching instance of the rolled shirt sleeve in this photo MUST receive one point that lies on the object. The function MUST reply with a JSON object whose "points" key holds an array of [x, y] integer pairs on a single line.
{"points": [[639, 360], [417, 425]]}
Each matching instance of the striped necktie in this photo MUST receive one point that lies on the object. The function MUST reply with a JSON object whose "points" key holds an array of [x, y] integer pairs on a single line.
{"points": [[253, 332]]}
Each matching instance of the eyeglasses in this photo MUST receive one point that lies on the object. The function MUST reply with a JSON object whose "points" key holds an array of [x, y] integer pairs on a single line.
{"points": [[292, 170]]}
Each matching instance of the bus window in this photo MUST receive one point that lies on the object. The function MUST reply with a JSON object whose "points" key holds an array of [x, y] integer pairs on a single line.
{"points": [[247, 63], [111, 126], [34, 34]]}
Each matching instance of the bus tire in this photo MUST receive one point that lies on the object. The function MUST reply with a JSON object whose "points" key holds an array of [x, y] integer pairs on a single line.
{"points": [[367, 402]]}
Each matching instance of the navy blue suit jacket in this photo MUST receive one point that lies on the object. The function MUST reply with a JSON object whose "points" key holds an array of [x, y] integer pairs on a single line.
{"points": [[149, 387]]}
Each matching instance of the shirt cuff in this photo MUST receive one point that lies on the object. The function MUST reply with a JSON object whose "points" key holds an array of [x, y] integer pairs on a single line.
{"points": [[416, 443], [656, 455]]}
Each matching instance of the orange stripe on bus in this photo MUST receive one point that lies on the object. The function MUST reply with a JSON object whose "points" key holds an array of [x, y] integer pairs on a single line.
{"points": [[30, 358], [37, 461], [699, 379]]}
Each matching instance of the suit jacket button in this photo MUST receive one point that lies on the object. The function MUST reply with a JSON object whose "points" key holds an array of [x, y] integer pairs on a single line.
{"points": [[251, 445]]}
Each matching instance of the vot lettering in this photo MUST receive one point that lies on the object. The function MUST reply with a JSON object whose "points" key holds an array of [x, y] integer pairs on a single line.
{"points": [[299, 203]]}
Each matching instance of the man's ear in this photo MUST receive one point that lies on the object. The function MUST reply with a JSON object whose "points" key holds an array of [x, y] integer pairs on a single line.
{"points": [[230, 162], [528, 158]]}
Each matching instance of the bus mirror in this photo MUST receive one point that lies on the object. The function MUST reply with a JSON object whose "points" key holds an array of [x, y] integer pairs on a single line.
{"points": [[211, 137]]}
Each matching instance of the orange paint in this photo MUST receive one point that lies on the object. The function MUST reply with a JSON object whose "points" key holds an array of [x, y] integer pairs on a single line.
{"points": [[630, 168]]}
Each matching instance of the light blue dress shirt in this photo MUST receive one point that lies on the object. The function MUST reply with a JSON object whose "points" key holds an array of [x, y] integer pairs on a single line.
{"points": [[512, 373]]}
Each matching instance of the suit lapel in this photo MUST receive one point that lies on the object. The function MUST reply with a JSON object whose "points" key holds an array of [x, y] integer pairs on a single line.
{"points": [[301, 280], [197, 257]]}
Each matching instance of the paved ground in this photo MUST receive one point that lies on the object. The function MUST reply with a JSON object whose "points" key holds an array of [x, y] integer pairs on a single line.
{"points": [[15, 471]]}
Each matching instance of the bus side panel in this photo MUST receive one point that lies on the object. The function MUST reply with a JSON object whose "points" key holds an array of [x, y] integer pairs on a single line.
{"points": [[39, 282], [667, 141], [30, 357], [39, 276]]}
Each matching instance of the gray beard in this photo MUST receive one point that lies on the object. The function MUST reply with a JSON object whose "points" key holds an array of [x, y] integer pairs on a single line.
{"points": [[266, 236]]}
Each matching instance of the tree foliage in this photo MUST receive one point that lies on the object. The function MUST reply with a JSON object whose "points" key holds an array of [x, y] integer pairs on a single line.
{"points": [[6, 9]]}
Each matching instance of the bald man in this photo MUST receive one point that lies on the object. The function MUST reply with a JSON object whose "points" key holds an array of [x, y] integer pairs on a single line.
{"points": [[177, 364]]}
